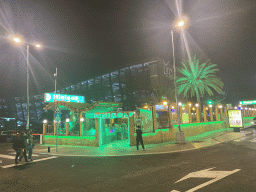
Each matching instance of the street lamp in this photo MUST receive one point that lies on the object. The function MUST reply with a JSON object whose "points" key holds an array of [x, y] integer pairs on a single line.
{"points": [[17, 40], [180, 138]]}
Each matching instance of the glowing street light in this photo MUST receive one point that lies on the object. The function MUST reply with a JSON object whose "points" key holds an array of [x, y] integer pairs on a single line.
{"points": [[45, 121], [180, 135], [17, 40], [181, 23]]}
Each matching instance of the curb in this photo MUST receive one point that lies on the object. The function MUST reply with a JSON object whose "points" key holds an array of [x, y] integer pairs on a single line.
{"points": [[144, 153]]}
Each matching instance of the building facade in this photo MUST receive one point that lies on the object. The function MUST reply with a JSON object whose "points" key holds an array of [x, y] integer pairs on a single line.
{"points": [[130, 86]]}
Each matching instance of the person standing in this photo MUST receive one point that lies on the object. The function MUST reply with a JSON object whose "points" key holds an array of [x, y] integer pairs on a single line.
{"points": [[139, 137], [19, 145], [30, 142]]}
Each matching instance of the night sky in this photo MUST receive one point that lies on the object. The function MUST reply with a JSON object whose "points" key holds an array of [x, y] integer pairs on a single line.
{"points": [[86, 38]]}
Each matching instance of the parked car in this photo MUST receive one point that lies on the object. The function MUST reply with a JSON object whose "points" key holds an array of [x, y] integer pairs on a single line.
{"points": [[254, 122]]}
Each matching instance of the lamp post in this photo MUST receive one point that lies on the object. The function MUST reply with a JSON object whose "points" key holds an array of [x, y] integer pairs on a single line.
{"points": [[17, 40], [180, 138], [27, 127]]}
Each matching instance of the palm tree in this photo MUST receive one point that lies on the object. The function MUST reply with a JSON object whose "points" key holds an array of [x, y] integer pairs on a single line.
{"points": [[196, 79]]}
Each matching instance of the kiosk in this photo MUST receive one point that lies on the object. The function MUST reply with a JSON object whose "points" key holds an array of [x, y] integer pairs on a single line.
{"points": [[86, 124]]}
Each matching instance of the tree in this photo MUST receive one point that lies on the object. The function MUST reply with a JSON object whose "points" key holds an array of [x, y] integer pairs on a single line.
{"points": [[196, 79]]}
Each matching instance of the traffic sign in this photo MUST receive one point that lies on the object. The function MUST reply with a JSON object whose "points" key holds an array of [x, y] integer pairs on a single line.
{"points": [[57, 117], [57, 110]]}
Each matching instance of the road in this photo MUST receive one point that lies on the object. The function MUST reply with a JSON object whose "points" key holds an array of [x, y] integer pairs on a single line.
{"points": [[224, 167]]}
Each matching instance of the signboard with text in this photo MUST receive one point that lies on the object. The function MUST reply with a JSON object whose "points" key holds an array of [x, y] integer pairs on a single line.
{"points": [[50, 97], [109, 115], [251, 102], [235, 119]]}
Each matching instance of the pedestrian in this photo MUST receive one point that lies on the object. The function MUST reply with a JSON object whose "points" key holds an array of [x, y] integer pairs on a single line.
{"points": [[139, 137], [30, 144], [19, 145]]}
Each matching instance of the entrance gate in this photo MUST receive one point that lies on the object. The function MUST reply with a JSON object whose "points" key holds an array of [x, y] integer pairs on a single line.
{"points": [[114, 128]]}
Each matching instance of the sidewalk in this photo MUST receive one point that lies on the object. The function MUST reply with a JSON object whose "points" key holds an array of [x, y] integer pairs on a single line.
{"points": [[117, 149]]}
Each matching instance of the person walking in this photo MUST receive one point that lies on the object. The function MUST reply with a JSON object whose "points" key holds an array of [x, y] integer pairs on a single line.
{"points": [[139, 137], [30, 142], [19, 145]]}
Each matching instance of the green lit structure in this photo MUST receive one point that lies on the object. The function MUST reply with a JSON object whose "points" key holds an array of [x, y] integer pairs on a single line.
{"points": [[90, 124]]}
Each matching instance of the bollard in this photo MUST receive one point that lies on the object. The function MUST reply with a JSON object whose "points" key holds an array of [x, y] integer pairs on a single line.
{"points": [[49, 149]]}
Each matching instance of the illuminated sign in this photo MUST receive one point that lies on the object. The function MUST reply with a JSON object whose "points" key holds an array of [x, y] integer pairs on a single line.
{"points": [[235, 118], [50, 97], [109, 115], [159, 107], [252, 102]]}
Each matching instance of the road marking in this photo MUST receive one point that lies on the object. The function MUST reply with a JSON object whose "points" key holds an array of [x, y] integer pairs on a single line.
{"points": [[7, 156], [14, 153], [217, 175], [149, 170], [43, 159]]}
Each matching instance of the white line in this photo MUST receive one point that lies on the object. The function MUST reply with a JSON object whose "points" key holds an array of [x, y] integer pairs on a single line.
{"points": [[7, 156], [14, 153], [43, 159]]}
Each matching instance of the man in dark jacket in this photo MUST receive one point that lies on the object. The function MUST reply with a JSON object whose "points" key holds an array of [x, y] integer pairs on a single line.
{"points": [[139, 137], [30, 144], [19, 145]]}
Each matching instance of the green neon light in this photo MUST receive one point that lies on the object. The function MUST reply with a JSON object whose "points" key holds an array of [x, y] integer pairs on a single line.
{"points": [[100, 132], [248, 117], [50, 97], [70, 137], [109, 115], [197, 137], [111, 104], [145, 111], [196, 124], [69, 146], [147, 134]]}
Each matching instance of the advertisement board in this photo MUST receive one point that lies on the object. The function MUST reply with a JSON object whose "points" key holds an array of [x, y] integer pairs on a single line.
{"points": [[235, 119]]}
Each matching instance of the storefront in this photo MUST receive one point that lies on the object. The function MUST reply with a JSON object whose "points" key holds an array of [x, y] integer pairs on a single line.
{"points": [[89, 125], [113, 127]]}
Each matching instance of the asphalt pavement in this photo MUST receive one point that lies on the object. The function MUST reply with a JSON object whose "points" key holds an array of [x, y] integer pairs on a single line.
{"points": [[227, 165]]}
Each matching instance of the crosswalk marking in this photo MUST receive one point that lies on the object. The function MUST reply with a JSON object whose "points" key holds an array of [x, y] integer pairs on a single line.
{"points": [[7, 156], [43, 159], [33, 155]]}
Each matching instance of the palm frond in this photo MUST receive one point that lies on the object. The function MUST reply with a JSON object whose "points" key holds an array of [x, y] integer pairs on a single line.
{"points": [[196, 79]]}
